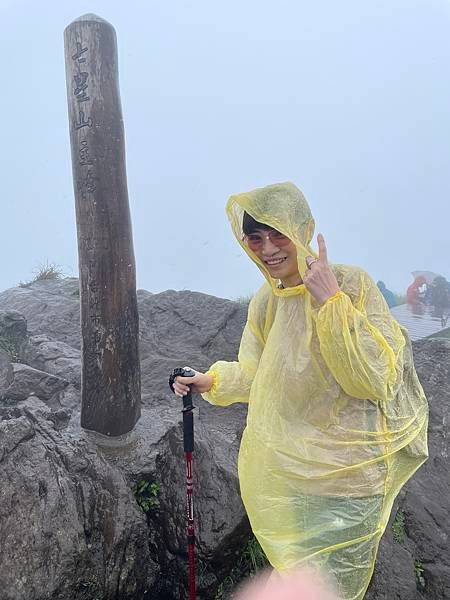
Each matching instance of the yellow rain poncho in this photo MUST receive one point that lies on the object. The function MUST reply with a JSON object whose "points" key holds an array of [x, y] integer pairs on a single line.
{"points": [[337, 419]]}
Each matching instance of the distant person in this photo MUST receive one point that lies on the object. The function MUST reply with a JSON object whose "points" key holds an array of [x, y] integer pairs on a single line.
{"points": [[337, 418], [388, 295], [427, 297], [440, 299], [415, 294], [440, 295]]}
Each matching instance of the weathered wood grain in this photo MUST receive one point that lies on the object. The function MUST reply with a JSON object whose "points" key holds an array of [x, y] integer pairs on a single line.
{"points": [[109, 317]]}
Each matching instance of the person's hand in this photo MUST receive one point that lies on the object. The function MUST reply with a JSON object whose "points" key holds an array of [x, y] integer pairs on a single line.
{"points": [[199, 383], [319, 279]]}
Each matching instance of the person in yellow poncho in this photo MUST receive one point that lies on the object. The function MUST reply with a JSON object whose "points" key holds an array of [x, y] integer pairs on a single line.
{"points": [[337, 418]]}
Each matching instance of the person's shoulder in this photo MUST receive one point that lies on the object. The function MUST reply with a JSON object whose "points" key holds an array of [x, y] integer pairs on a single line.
{"points": [[349, 275], [262, 309], [263, 304], [353, 280], [262, 297]]}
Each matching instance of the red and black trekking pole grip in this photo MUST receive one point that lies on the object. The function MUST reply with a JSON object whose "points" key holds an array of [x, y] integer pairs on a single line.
{"points": [[188, 443]]}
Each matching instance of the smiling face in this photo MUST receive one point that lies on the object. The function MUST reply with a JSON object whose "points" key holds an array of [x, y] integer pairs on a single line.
{"points": [[277, 252]]}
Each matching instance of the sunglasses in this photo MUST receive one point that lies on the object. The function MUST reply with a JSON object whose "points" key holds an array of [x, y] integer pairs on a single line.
{"points": [[255, 240]]}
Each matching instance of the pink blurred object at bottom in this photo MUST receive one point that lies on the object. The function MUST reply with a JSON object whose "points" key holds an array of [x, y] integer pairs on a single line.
{"points": [[305, 584]]}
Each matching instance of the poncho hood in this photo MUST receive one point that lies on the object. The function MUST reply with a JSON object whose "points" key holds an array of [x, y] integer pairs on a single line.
{"points": [[283, 207]]}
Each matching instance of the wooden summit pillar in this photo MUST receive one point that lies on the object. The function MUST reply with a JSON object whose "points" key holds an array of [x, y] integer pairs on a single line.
{"points": [[109, 316]]}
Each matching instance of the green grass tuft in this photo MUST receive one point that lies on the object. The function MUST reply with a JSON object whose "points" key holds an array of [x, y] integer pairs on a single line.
{"points": [[251, 561], [8, 346], [418, 570], [398, 527]]}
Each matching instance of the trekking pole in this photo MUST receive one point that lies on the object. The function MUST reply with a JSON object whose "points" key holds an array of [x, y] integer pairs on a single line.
{"points": [[188, 443]]}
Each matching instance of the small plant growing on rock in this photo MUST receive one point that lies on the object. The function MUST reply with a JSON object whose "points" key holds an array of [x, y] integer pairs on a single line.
{"points": [[9, 347], [146, 494], [251, 561], [398, 527], [44, 272], [418, 570], [254, 556], [225, 588], [6, 402]]}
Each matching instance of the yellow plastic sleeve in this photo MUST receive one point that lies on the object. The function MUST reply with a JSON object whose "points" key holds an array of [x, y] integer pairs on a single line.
{"points": [[336, 296], [215, 381], [357, 354]]}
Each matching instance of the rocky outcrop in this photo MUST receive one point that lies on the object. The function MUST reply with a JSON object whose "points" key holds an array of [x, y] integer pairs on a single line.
{"points": [[27, 381], [69, 528], [57, 358], [70, 523], [71, 518], [50, 307]]}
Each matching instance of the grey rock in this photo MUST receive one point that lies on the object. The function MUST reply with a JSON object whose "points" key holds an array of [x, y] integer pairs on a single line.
{"points": [[70, 398], [155, 454], [13, 332], [70, 527], [68, 515], [28, 381], [48, 396], [185, 328], [58, 358], [6, 371], [12, 433], [13, 325], [394, 576], [50, 307]]}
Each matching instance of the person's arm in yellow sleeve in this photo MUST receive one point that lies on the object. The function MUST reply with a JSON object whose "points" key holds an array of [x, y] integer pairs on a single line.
{"points": [[360, 342], [229, 382], [232, 380]]}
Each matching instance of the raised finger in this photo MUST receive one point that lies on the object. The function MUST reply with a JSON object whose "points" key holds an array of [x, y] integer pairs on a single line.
{"points": [[323, 255]]}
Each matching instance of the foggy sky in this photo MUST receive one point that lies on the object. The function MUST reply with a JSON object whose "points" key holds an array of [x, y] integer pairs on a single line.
{"points": [[350, 100]]}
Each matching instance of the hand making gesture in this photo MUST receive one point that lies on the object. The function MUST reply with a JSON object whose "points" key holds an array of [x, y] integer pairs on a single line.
{"points": [[319, 279]]}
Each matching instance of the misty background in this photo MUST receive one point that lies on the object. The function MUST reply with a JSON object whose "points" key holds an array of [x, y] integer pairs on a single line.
{"points": [[348, 100]]}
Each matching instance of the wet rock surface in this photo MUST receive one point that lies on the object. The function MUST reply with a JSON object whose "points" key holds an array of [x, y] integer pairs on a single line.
{"points": [[71, 518]]}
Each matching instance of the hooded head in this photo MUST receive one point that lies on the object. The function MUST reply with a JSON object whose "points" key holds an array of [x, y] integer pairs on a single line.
{"points": [[419, 281], [283, 207]]}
